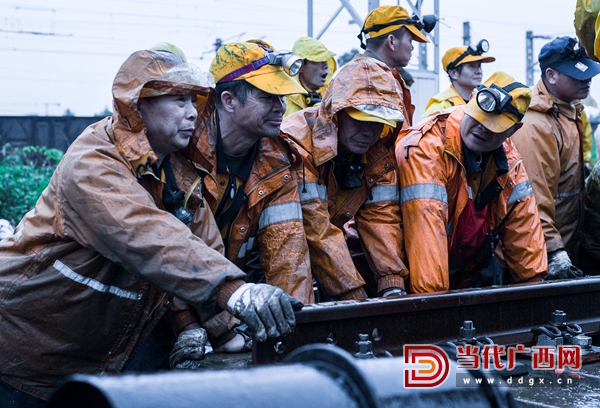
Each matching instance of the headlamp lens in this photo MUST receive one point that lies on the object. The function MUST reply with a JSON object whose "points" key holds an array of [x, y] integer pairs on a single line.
{"points": [[295, 66], [486, 100], [483, 46], [291, 63]]}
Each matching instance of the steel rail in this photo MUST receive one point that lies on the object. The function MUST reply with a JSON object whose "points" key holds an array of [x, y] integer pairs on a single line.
{"points": [[505, 314]]}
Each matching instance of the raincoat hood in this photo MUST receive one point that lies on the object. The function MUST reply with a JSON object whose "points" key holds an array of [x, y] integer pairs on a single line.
{"points": [[154, 73], [364, 84]]}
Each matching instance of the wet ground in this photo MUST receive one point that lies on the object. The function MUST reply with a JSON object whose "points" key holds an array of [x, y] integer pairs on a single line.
{"points": [[579, 389]]}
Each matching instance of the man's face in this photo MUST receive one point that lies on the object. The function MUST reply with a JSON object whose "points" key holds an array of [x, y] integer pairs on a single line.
{"points": [[565, 88], [262, 113], [313, 75], [470, 75], [356, 136], [403, 48], [480, 139], [169, 120]]}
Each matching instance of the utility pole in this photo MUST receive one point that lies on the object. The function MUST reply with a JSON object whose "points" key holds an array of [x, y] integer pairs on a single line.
{"points": [[218, 43], [467, 33], [529, 67]]}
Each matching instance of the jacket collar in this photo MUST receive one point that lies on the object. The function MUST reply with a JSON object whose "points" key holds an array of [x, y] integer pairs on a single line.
{"points": [[543, 101], [472, 166], [454, 145], [270, 153]]}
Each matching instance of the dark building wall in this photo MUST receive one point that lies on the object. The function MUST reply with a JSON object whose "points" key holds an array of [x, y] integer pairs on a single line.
{"points": [[56, 132]]}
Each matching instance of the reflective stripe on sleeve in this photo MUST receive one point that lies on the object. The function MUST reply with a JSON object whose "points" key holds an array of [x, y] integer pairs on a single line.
{"points": [[424, 191], [520, 191], [94, 284], [383, 193], [275, 214], [568, 194], [246, 246], [312, 191]]}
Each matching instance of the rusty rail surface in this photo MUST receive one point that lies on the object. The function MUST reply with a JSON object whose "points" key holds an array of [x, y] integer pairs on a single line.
{"points": [[505, 314]]}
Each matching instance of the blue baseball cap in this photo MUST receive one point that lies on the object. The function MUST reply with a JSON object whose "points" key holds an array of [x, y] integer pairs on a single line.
{"points": [[568, 56]]}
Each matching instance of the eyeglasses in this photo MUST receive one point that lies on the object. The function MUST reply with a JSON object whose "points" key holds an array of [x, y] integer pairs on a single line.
{"points": [[497, 100], [481, 47], [290, 63]]}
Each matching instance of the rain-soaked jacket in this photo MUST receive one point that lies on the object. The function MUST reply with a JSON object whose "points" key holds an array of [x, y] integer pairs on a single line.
{"points": [[405, 99], [271, 218], [313, 134], [434, 193], [87, 274], [443, 100], [550, 142]]}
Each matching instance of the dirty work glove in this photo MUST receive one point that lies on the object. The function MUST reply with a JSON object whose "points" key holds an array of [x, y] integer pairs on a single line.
{"points": [[560, 267], [393, 292], [189, 349], [267, 310]]}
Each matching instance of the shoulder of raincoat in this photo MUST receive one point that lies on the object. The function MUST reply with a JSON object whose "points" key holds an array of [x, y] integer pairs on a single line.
{"points": [[434, 193], [405, 98], [87, 274], [550, 142], [587, 26], [294, 103], [312, 133], [588, 138], [443, 100], [271, 218]]}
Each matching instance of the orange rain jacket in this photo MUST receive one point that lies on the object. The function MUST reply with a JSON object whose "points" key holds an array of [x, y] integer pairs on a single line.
{"points": [[550, 142], [443, 100], [313, 134], [405, 98], [84, 278], [434, 192], [271, 218]]}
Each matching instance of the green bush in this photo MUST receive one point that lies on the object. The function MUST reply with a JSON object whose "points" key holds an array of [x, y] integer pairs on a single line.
{"points": [[24, 174]]}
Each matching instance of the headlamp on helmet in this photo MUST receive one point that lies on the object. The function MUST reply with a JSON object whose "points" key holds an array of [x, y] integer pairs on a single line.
{"points": [[481, 47], [497, 100], [427, 24], [291, 63], [573, 49]]}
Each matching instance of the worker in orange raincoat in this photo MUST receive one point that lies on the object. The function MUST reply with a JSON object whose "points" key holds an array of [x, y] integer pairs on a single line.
{"points": [[348, 169], [460, 175], [388, 33], [249, 185], [121, 230]]}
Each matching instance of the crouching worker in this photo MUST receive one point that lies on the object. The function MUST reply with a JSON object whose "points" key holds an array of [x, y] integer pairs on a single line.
{"points": [[348, 169], [460, 177], [120, 230]]}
